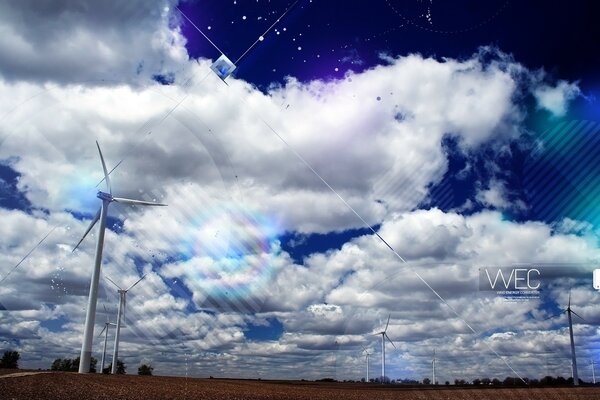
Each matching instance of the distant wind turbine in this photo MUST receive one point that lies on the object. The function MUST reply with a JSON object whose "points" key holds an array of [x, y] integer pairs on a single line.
{"points": [[120, 315], [433, 367], [383, 337], [90, 316], [593, 372], [569, 311], [105, 331], [367, 354]]}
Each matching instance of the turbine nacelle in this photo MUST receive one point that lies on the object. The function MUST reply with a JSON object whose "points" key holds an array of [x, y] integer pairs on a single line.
{"points": [[105, 196]]}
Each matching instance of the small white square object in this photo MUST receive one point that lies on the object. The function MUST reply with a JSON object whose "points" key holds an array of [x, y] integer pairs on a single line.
{"points": [[597, 279], [223, 67]]}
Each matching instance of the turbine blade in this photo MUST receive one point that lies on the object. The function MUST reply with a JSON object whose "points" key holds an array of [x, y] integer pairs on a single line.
{"points": [[109, 172], [390, 340], [104, 168], [113, 282], [388, 323], [583, 319], [555, 315], [569, 306], [106, 312], [138, 281], [94, 220], [136, 202], [102, 331]]}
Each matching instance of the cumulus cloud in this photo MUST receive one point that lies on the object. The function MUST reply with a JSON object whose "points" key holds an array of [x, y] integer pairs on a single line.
{"points": [[232, 187], [90, 41], [556, 98]]}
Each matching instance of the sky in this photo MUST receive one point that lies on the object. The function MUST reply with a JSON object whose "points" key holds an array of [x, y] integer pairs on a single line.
{"points": [[362, 162]]}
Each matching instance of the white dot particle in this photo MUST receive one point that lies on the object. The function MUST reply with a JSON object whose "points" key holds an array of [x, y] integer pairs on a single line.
{"points": [[209, 28], [336, 69], [244, 17], [284, 29], [299, 48], [261, 38]]}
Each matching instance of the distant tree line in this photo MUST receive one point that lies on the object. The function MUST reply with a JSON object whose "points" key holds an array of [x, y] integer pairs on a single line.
{"points": [[145, 369], [121, 367], [10, 359], [71, 365], [515, 381], [508, 381]]}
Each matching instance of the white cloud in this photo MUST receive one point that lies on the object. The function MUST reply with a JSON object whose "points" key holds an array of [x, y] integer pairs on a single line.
{"points": [[232, 187], [557, 97], [93, 42]]}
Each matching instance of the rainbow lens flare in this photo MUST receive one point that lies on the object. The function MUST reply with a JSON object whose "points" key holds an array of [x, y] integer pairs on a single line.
{"points": [[229, 257]]}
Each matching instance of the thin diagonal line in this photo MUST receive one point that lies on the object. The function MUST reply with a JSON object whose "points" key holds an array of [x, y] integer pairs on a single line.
{"points": [[28, 254], [199, 30], [307, 164], [156, 125], [267, 31]]}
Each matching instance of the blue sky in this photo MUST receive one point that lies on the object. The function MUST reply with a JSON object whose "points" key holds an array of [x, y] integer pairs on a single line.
{"points": [[465, 136]]}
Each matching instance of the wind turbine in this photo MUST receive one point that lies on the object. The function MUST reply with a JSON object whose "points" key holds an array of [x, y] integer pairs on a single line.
{"points": [[90, 316], [121, 312], [433, 367], [569, 311], [367, 354], [105, 330], [383, 337], [593, 372]]}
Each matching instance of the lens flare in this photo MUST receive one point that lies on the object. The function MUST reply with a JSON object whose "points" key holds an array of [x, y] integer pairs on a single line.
{"points": [[229, 256]]}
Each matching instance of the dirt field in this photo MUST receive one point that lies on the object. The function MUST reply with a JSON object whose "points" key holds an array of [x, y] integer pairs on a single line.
{"points": [[62, 385]]}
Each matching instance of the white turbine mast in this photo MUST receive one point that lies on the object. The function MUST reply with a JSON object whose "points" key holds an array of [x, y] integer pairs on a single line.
{"points": [[367, 354], [593, 371], [120, 316], [433, 367], [384, 336], [104, 330], [90, 316], [569, 311]]}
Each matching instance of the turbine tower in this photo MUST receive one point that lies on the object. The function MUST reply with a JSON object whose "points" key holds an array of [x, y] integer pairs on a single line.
{"points": [[569, 311], [383, 337], [593, 372], [367, 354], [433, 367], [90, 316], [105, 331], [120, 315]]}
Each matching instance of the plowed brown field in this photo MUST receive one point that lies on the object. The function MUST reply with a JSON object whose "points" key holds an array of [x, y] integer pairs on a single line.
{"points": [[61, 385]]}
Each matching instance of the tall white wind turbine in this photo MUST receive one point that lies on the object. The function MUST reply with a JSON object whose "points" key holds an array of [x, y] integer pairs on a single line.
{"points": [[104, 330], [90, 316], [367, 354], [593, 372], [383, 337], [569, 311], [120, 316]]}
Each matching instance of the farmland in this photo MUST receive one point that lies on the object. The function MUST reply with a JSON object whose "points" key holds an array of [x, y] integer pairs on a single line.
{"points": [[62, 385]]}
